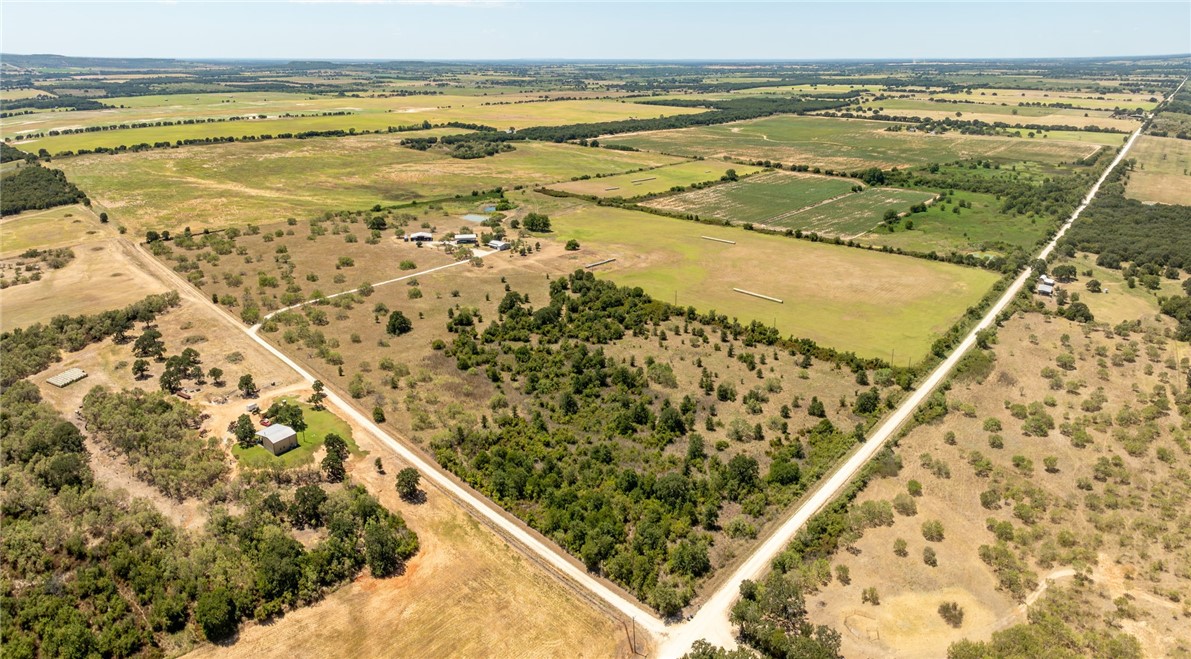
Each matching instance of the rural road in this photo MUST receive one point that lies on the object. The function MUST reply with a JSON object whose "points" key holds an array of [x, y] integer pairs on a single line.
{"points": [[711, 621], [488, 511]]}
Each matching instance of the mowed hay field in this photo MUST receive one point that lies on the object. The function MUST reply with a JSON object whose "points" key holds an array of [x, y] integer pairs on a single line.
{"points": [[230, 184], [763, 199], [846, 144], [1163, 171], [358, 113], [653, 181], [854, 214], [849, 299], [42, 229], [103, 275]]}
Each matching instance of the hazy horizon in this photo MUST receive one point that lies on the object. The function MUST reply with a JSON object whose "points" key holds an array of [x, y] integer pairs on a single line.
{"points": [[434, 30]]}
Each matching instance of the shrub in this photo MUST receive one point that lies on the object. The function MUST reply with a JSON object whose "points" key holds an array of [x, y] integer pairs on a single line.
{"points": [[952, 613], [932, 530]]}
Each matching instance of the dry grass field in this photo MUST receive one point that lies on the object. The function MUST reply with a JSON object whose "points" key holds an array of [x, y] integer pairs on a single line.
{"points": [[1163, 171], [103, 275], [1062, 518], [1010, 114], [55, 227]]}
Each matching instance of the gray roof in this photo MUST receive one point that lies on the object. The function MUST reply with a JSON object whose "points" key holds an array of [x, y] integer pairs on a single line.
{"points": [[69, 376], [276, 432], [1046, 289]]}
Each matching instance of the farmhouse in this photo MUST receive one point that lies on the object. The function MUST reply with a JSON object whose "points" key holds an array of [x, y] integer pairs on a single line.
{"points": [[67, 377], [420, 237], [466, 239], [1046, 286], [278, 439], [499, 245]]}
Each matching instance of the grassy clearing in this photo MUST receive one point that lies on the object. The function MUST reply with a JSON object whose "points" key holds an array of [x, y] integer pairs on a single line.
{"points": [[1163, 172], [47, 228], [981, 228], [320, 424], [230, 184], [847, 144], [362, 114], [762, 199], [868, 302], [654, 180], [854, 214]]}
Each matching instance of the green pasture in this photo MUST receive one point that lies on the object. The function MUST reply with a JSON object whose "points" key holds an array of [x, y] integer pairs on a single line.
{"points": [[762, 199], [653, 181], [320, 423], [255, 182], [980, 228], [847, 144], [875, 304]]}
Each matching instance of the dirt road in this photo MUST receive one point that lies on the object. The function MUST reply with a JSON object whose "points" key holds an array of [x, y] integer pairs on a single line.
{"points": [[711, 621]]}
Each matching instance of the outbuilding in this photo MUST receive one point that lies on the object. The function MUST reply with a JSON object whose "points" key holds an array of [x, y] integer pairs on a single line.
{"points": [[420, 237], [499, 245], [466, 239], [278, 439], [1046, 289]]}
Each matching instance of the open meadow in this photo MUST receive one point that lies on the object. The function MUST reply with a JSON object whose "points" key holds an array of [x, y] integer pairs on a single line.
{"points": [[1163, 171], [847, 144], [654, 181], [871, 303], [233, 184], [1126, 101]]}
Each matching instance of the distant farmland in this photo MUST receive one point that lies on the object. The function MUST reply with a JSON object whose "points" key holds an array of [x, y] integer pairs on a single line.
{"points": [[854, 214], [851, 299], [228, 184], [847, 144]]}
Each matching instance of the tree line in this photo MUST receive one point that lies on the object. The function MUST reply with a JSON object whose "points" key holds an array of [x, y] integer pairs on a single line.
{"points": [[34, 187]]}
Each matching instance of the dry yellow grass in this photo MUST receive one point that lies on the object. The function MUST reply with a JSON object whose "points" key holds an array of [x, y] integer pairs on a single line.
{"points": [[103, 275], [1163, 172]]}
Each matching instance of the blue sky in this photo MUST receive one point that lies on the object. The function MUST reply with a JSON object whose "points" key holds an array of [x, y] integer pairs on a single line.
{"points": [[590, 30]]}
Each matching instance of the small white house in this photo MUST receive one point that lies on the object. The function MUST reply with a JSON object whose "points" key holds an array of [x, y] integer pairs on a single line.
{"points": [[466, 239], [420, 237], [499, 245], [1045, 280], [278, 439]]}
